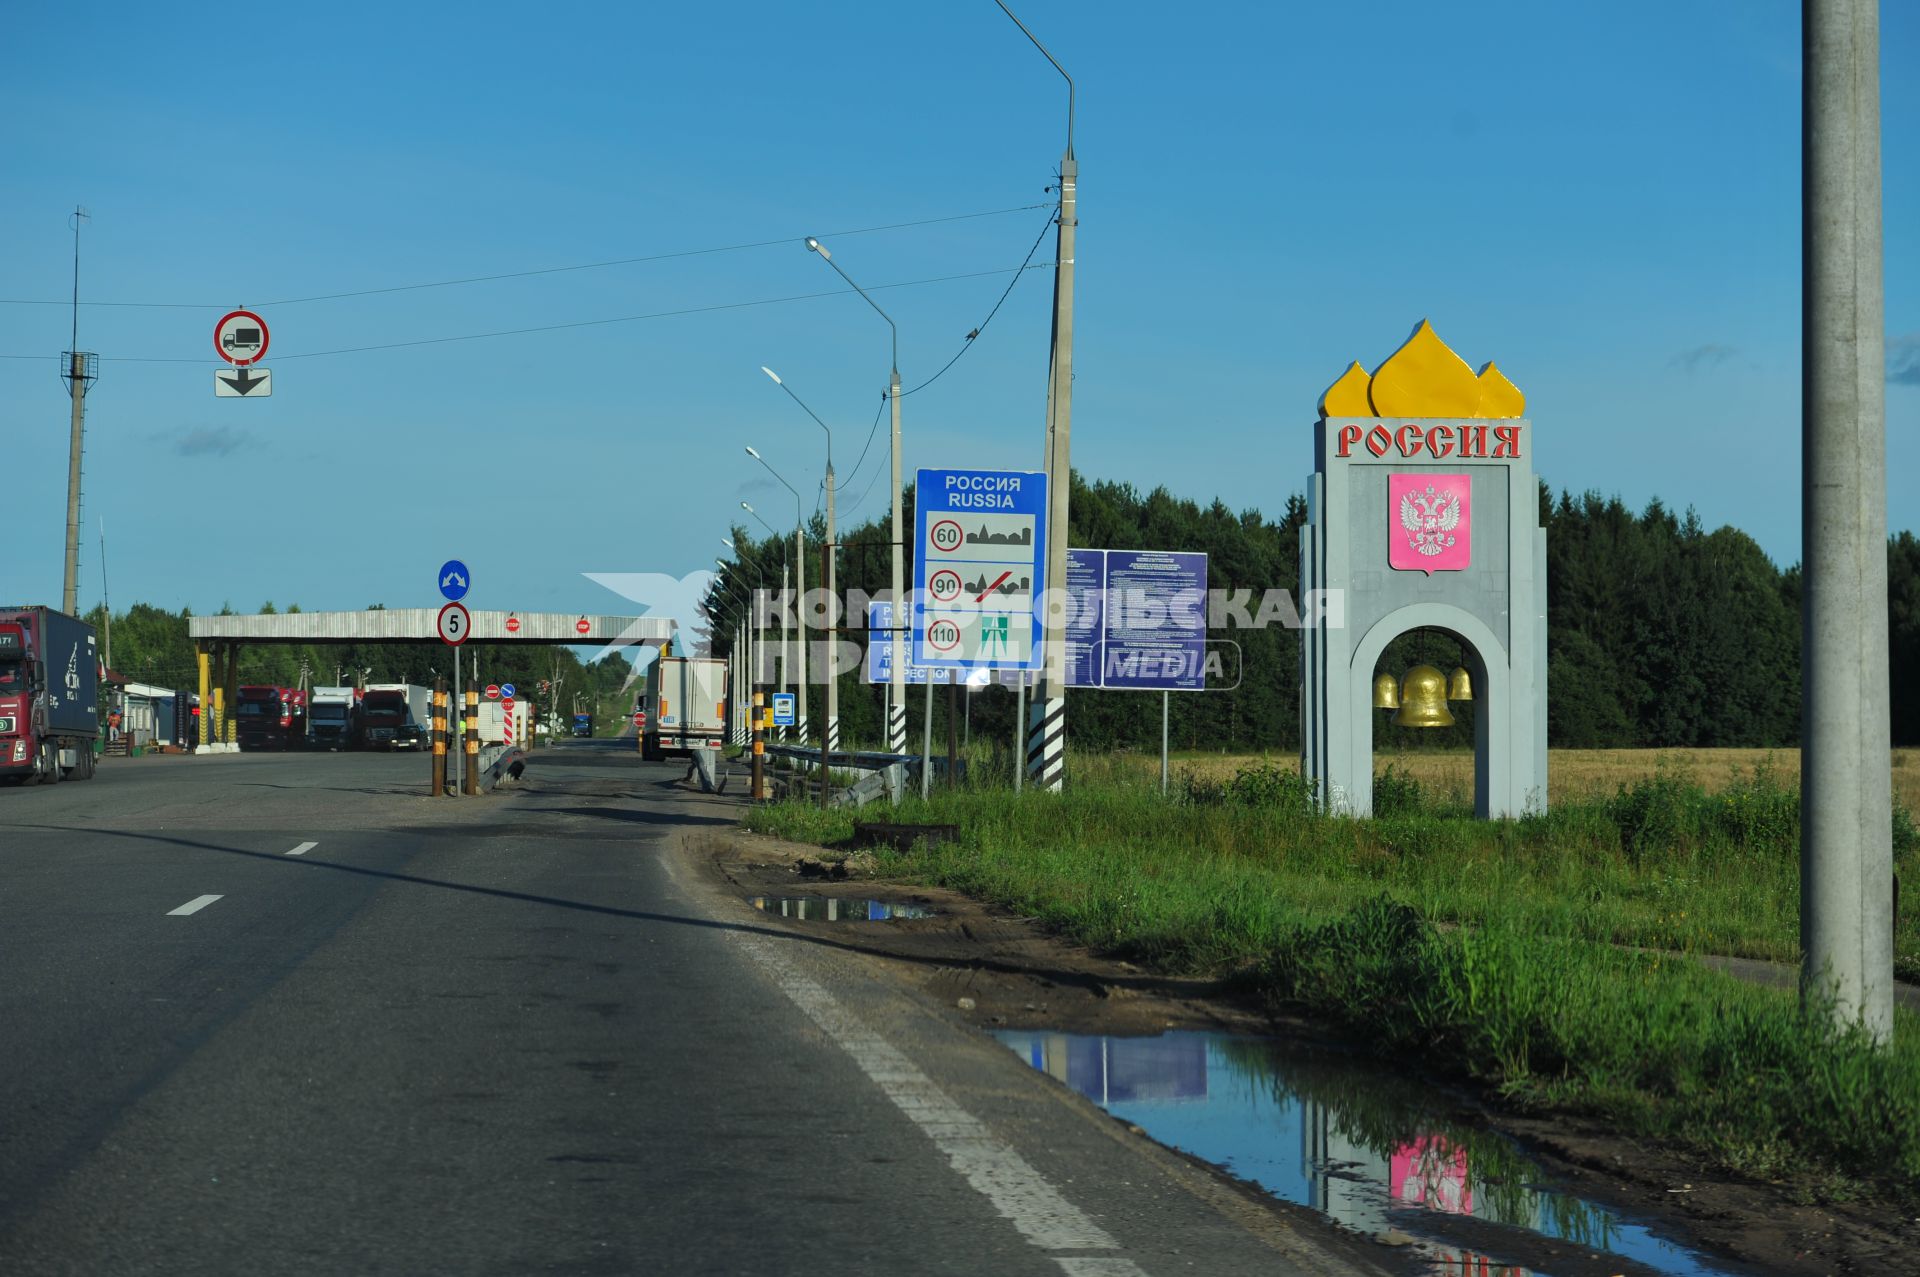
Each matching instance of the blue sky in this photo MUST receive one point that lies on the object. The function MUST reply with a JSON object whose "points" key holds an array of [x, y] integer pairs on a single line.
{"points": [[1604, 199]]}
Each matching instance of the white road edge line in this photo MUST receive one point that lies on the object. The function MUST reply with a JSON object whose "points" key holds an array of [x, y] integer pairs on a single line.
{"points": [[194, 905], [303, 849], [988, 1163]]}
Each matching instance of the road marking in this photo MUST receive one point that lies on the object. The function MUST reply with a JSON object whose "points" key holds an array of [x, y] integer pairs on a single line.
{"points": [[303, 849], [194, 905], [991, 1165]]}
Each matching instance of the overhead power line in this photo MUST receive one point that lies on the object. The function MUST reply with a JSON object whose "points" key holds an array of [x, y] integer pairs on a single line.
{"points": [[527, 274], [583, 323]]}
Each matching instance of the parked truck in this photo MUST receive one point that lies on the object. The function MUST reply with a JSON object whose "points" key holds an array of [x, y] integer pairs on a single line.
{"points": [[49, 695], [583, 724], [270, 717], [333, 717], [397, 716], [685, 705]]}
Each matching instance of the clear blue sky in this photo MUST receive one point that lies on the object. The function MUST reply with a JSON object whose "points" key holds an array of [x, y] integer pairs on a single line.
{"points": [[1604, 199]]}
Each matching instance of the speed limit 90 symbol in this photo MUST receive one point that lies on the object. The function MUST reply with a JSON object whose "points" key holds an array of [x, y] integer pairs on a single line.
{"points": [[943, 636]]}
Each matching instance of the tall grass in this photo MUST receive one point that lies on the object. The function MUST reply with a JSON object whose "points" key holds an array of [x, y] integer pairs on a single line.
{"points": [[1513, 947]]}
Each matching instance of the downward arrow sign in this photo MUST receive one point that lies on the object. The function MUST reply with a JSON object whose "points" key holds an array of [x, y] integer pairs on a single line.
{"points": [[243, 381]]}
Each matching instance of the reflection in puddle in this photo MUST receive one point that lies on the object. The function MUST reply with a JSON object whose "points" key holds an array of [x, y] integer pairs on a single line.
{"points": [[833, 909], [1360, 1146]]}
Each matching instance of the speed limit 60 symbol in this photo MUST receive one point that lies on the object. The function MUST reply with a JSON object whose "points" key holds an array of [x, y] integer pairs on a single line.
{"points": [[944, 585], [946, 535], [943, 636], [454, 624]]}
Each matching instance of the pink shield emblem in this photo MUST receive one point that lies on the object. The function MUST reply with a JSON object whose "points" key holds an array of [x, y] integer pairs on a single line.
{"points": [[1430, 522]]}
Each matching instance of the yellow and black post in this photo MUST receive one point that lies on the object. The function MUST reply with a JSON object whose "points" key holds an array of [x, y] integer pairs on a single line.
{"points": [[439, 780], [759, 748], [470, 774]]}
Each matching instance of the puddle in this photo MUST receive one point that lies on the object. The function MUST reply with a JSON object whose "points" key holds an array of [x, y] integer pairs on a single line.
{"points": [[1360, 1146], [833, 909]]}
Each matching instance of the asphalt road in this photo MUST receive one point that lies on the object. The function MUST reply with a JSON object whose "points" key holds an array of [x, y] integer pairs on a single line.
{"points": [[283, 1014]]}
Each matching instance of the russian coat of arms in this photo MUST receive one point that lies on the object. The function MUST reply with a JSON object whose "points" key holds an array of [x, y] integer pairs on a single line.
{"points": [[1430, 521]]}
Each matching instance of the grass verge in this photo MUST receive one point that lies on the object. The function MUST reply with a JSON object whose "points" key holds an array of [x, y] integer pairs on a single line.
{"points": [[1530, 992]]}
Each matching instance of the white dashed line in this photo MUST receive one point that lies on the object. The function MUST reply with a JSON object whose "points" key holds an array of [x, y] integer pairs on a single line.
{"points": [[994, 1168], [303, 849], [194, 905]]}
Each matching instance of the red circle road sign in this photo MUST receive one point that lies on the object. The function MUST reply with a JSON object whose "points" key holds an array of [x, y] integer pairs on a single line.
{"points": [[454, 623], [582, 625], [513, 624], [493, 691], [639, 718], [240, 338], [943, 635], [944, 585], [946, 536]]}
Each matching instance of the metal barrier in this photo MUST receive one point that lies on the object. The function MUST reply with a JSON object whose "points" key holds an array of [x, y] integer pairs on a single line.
{"points": [[887, 775]]}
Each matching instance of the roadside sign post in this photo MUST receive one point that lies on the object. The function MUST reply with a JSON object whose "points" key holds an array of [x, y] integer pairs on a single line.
{"points": [[455, 624]]}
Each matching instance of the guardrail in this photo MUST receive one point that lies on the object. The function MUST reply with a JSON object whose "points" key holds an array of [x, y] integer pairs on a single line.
{"points": [[887, 775]]}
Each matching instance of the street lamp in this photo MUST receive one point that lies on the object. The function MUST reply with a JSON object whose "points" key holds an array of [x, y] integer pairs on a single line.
{"points": [[833, 590], [799, 586], [897, 700], [785, 671]]}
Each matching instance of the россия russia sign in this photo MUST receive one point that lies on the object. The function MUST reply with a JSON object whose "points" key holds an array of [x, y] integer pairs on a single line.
{"points": [[979, 568]]}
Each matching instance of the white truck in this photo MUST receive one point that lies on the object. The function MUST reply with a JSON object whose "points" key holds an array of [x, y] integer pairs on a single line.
{"points": [[333, 717], [685, 705]]}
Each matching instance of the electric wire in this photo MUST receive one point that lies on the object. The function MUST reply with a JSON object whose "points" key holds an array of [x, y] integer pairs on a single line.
{"points": [[580, 323], [526, 274]]}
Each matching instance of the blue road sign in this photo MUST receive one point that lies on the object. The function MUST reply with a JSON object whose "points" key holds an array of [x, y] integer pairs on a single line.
{"points": [[453, 580], [783, 715], [979, 569], [1138, 620], [506, 690], [880, 650]]}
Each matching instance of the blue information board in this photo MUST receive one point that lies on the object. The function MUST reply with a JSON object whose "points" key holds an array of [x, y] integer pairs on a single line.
{"points": [[783, 709], [880, 650], [979, 568], [1139, 620]]}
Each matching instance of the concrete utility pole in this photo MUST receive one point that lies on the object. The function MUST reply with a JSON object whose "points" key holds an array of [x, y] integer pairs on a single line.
{"points": [[1846, 848], [832, 673], [897, 701], [1047, 731], [78, 374], [799, 589]]}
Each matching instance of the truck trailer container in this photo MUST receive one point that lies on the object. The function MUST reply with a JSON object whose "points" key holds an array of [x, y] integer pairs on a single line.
{"points": [[686, 706], [333, 717], [49, 695]]}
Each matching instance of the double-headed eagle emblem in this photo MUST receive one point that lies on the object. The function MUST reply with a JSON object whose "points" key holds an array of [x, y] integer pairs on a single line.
{"points": [[1429, 519]]}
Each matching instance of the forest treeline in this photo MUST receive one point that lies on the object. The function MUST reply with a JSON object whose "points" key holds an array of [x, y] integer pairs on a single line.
{"points": [[1660, 632]]}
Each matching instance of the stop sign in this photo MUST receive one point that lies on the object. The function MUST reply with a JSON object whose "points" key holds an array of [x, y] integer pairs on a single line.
{"points": [[513, 624], [581, 625]]}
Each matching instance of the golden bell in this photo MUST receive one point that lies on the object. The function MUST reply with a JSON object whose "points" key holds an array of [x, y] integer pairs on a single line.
{"points": [[1423, 699], [1459, 685], [1386, 692]]}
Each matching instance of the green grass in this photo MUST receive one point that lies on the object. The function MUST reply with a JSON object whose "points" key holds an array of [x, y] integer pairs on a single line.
{"points": [[1530, 991]]}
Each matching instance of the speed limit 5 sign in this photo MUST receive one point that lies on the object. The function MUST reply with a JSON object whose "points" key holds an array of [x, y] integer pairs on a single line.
{"points": [[454, 624]]}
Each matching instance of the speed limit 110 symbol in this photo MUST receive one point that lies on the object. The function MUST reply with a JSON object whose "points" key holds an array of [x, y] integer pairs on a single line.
{"points": [[943, 636], [946, 535]]}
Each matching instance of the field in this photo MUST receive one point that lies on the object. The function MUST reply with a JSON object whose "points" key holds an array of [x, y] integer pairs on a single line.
{"points": [[1573, 773], [1538, 951]]}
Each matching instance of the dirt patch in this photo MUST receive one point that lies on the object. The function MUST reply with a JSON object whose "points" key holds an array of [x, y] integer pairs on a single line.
{"points": [[996, 970]]}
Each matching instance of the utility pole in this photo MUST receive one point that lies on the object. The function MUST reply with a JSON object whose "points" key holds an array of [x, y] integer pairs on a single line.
{"points": [[1846, 847], [1047, 730], [80, 370], [832, 736]]}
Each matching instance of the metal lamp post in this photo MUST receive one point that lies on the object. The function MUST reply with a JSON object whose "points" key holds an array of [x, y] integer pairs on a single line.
{"points": [[785, 671], [897, 701], [833, 592], [800, 588]]}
